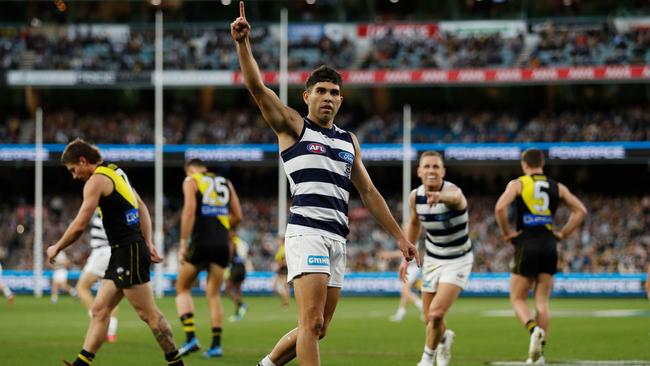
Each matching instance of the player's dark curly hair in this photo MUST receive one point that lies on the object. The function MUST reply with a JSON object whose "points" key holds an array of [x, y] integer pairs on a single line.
{"points": [[78, 148], [323, 73]]}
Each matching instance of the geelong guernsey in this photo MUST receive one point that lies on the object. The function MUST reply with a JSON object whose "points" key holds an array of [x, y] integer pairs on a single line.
{"points": [[446, 229], [318, 167], [98, 237]]}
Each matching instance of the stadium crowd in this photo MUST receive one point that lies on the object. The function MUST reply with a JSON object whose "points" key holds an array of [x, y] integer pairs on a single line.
{"points": [[614, 237], [241, 126], [196, 47]]}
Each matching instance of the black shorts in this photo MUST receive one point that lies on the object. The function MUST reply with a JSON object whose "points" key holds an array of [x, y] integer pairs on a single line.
{"points": [[237, 273], [129, 264], [535, 255], [202, 254]]}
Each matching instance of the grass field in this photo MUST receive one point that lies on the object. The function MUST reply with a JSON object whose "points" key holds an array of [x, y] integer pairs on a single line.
{"points": [[35, 332]]}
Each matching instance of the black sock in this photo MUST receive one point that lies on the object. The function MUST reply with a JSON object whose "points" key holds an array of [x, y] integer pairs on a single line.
{"points": [[174, 359], [216, 337], [84, 358], [530, 325], [188, 326]]}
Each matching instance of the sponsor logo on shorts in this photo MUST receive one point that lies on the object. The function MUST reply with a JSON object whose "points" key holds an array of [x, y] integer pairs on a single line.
{"points": [[316, 148], [460, 275], [318, 260]]}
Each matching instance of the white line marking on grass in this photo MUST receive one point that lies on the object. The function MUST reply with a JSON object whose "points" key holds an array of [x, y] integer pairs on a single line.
{"points": [[613, 313], [579, 363]]}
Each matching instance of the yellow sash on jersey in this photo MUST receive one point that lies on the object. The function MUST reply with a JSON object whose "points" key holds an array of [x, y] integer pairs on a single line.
{"points": [[121, 186], [212, 197], [528, 196]]}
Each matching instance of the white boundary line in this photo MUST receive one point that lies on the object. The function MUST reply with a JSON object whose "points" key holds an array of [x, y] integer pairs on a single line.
{"points": [[579, 363]]}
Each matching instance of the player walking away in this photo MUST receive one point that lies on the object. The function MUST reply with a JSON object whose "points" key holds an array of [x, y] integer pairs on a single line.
{"points": [[128, 228], [413, 276], [280, 284], [210, 210], [322, 163], [237, 275], [6, 290], [60, 278], [95, 269], [441, 208], [537, 197]]}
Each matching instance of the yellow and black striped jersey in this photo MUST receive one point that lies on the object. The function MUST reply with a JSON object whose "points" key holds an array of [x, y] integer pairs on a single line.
{"points": [[212, 216], [537, 203], [119, 210]]}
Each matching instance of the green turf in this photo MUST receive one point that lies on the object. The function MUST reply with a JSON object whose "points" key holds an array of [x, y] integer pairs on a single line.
{"points": [[35, 332]]}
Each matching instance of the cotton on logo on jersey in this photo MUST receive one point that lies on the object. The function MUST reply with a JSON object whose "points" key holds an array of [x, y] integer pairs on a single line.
{"points": [[318, 260], [316, 148]]}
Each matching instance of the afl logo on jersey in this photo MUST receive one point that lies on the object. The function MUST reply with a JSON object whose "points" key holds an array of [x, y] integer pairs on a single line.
{"points": [[316, 148], [346, 156]]}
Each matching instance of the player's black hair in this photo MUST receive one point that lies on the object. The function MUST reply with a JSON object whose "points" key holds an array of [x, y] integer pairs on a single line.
{"points": [[323, 73]]}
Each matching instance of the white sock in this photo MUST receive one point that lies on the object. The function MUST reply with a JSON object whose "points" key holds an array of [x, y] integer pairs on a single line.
{"points": [[90, 314], [428, 355], [400, 312], [418, 304], [112, 326], [266, 361]]}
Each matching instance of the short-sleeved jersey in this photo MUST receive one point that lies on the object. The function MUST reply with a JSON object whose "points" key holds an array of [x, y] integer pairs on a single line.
{"points": [[212, 215], [119, 210], [536, 205]]}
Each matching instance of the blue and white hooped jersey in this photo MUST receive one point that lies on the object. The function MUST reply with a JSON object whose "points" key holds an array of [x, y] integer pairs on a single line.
{"points": [[319, 166], [446, 230], [98, 237]]}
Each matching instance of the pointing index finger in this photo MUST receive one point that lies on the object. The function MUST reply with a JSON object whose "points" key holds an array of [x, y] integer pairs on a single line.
{"points": [[242, 11]]}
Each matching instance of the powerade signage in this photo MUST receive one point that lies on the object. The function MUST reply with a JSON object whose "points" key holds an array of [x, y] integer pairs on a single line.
{"points": [[387, 284]]}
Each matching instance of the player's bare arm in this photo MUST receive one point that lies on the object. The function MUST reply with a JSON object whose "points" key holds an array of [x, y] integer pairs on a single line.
{"points": [[577, 208], [451, 196], [235, 207], [377, 206], [285, 121], [95, 187], [413, 229], [187, 215], [146, 228], [501, 209]]}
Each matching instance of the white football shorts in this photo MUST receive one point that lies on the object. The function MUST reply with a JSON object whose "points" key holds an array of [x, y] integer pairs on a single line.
{"points": [[454, 271], [97, 262], [313, 253]]}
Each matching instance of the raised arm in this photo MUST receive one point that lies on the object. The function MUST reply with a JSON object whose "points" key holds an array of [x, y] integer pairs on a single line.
{"points": [[377, 206], [577, 208], [286, 122], [501, 209], [93, 189]]}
